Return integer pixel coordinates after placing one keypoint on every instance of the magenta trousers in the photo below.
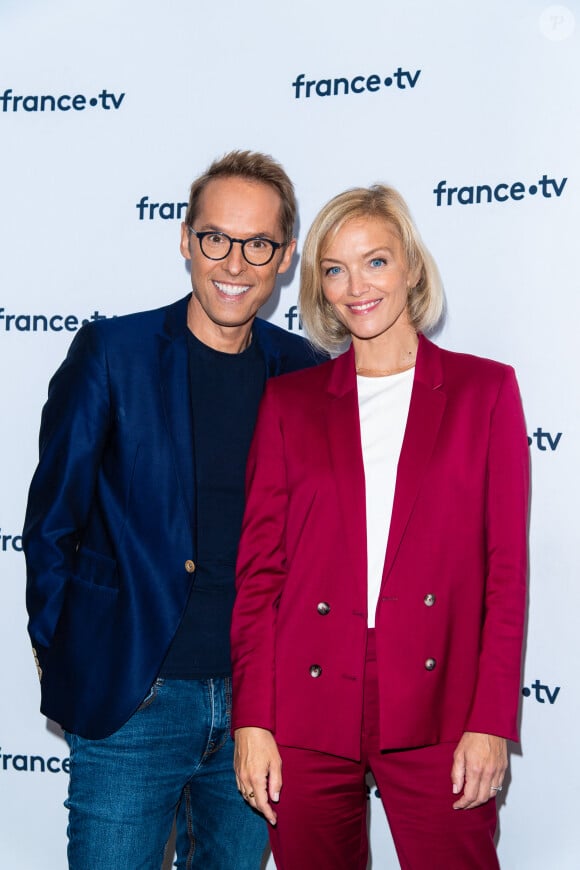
(322, 813)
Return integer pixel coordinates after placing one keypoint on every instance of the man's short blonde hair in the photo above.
(251, 166)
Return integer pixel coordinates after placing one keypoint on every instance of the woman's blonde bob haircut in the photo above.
(425, 302)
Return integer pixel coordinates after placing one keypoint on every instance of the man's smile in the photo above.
(232, 289)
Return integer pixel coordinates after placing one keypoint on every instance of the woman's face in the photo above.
(366, 278)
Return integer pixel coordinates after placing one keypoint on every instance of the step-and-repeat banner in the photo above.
(107, 113)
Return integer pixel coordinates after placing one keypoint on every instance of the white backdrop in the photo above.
(105, 106)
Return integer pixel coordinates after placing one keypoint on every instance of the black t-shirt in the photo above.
(225, 393)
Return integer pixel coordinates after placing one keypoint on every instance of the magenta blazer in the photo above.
(450, 616)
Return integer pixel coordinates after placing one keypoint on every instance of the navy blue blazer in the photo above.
(108, 534)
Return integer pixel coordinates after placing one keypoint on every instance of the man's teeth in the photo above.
(232, 289)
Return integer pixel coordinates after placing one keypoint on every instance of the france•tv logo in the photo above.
(478, 194)
(540, 692)
(544, 440)
(292, 315)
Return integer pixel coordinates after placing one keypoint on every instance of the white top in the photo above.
(383, 409)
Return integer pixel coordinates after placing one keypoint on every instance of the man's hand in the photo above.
(258, 768)
(479, 765)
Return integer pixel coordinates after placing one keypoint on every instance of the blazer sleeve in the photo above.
(73, 431)
(495, 703)
(261, 572)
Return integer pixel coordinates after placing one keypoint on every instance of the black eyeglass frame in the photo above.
(243, 242)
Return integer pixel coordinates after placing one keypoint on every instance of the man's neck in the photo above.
(227, 339)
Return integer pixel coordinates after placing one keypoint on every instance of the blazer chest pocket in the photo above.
(96, 569)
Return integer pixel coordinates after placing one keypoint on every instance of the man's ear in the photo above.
(184, 243)
(287, 257)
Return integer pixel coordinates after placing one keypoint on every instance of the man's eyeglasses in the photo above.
(257, 251)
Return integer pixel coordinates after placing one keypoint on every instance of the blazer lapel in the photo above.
(176, 399)
(343, 434)
(428, 402)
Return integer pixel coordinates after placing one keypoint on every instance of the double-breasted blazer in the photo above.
(450, 614)
(109, 532)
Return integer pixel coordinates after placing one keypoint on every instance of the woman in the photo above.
(381, 573)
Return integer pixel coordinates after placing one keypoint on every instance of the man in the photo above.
(131, 534)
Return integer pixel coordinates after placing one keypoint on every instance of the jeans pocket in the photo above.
(150, 696)
(228, 699)
(71, 740)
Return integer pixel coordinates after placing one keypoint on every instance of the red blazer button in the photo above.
(315, 670)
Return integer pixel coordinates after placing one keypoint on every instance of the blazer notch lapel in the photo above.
(425, 415)
(343, 437)
(176, 399)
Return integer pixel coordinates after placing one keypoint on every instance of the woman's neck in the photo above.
(381, 356)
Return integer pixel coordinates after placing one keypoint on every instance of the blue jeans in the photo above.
(173, 758)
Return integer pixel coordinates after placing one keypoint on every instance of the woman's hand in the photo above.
(479, 765)
(258, 768)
